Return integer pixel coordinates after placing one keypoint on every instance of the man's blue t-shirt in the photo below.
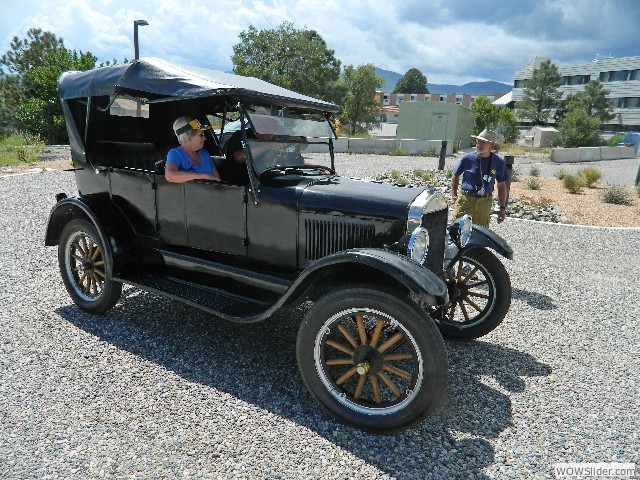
(492, 168)
(180, 158)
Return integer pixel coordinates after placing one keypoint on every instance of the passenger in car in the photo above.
(234, 167)
(189, 161)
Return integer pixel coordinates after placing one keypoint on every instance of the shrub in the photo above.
(533, 183)
(398, 152)
(449, 174)
(20, 147)
(534, 171)
(616, 195)
(613, 141)
(427, 176)
(573, 183)
(590, 176)
(560, 174)
(398, 177)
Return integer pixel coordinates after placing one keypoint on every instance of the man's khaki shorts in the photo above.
(478, 207)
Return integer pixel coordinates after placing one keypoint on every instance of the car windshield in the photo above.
(288, 143)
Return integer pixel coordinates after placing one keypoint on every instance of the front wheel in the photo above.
(374, 360)
(479, 295)
(82, 266)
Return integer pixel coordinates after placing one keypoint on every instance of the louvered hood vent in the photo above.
(327, 237)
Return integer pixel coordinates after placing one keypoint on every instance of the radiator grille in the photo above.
(327, 237)
(436, 225)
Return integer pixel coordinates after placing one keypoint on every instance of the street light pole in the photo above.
(135, 36)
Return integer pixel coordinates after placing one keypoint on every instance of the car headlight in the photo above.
(465, 229)
(418, 246)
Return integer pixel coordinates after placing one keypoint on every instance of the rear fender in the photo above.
(100, 214)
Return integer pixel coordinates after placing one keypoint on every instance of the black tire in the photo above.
(381, 385)
(82, 266)
(479, 295)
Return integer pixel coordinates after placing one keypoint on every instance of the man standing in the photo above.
(480, 171)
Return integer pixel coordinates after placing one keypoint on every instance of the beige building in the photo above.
(621, 76)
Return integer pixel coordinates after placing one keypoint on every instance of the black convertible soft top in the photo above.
(153, 80)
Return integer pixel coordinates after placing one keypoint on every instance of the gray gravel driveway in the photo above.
(156, 389)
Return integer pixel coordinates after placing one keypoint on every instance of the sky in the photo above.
(449, 41)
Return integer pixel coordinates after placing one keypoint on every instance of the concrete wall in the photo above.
(383, 146)
(591, 154)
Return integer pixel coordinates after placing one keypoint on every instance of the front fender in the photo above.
(375, 266)
(482, 237)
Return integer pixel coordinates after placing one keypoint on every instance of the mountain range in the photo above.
(472, 88)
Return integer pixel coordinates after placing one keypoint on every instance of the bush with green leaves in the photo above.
(590, 176)
(533, 183)
(616, 195)
(573, 183)
(534, 171)
(578, 129)
(20, 148)
(613, 141)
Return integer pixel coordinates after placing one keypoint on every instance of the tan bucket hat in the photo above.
(488, 136)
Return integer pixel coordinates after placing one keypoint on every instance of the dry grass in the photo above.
(584, 208)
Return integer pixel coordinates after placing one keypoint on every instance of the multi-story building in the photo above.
(394, 99)
(621, 76)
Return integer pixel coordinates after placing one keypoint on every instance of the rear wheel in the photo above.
(374, 360)
(82, 266)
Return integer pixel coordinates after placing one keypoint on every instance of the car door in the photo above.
(215, 215)
(202, 214)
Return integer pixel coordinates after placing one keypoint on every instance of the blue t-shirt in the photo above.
(492, 168)
(181, 159)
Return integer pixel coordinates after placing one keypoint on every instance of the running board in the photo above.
(229, 306)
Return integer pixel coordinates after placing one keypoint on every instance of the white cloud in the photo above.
(452, 41)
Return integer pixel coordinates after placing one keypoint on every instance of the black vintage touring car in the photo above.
(382, 272)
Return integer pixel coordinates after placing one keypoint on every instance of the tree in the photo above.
(359, 109)
(412, 82)
(541, 94)
(30, 93)
(295, 59)
(485, 114)
(507, 125)
(593, 100)
(578, 129)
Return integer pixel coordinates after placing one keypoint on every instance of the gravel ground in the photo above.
(160, 390)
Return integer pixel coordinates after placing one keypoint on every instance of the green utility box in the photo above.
(435, 121)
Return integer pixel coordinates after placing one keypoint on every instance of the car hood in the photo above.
(341, 196)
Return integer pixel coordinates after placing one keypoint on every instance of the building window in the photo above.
(399, 98)
(627, 102)
(636, 75)
(604, 76)
(519, 84)
(443, 98)
(630, 102)
(619, 76)
(413, 97)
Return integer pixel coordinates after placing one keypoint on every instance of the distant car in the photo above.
(377, 264)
